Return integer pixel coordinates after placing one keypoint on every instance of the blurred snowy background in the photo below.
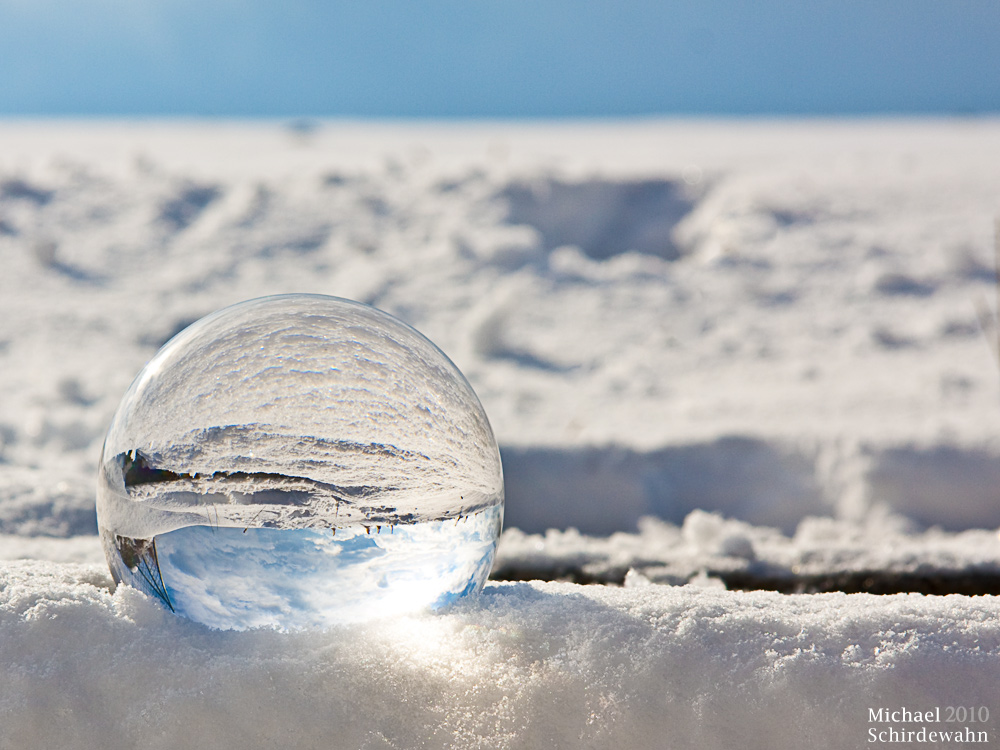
(715, 350)
(771, 320)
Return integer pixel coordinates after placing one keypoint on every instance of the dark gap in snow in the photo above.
(261, 487)
(602, 217)
(137, 470)
(937, 583)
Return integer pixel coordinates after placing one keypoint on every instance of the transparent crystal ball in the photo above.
(296, 462)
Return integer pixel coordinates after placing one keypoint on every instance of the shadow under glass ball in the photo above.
(296, 462)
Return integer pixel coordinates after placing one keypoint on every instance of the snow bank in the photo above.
(523, 665)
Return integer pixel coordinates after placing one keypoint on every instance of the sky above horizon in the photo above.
(497, 58)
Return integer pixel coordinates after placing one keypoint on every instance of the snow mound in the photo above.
(523, 665)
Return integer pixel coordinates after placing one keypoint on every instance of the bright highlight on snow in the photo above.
(299, 461)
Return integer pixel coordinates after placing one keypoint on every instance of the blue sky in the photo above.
(497, 58)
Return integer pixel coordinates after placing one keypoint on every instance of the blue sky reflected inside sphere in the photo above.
(295, 579)
(497, 58)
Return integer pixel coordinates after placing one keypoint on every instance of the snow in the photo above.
(823, 553)
(707, 349)
(814, 350)
(525, 665)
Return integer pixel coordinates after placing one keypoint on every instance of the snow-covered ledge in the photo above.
(523, 665)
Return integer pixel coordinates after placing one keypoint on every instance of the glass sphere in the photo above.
(300, 461)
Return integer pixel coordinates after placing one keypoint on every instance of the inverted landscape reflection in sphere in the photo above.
(296, 462)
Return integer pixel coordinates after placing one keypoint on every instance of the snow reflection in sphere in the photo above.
(300, 461)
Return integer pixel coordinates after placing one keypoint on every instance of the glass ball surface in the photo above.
(300, 461)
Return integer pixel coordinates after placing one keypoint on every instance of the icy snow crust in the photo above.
(761, 335)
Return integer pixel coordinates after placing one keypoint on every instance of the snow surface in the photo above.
(762, 337)
(524, 665)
